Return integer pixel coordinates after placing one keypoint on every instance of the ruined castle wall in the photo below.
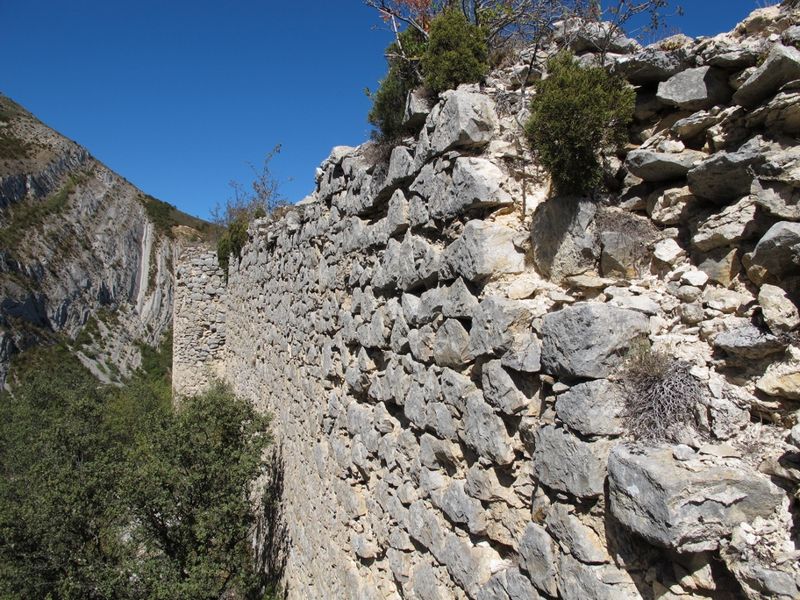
(199, 321)
(442, 365)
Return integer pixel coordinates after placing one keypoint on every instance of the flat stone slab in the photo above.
(681, 508)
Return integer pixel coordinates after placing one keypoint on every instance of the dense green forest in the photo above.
(109, 492)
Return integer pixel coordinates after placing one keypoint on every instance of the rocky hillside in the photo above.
(84, 255)
(468, 373)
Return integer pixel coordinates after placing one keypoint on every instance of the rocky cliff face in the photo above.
(442, 345)
(79, 245)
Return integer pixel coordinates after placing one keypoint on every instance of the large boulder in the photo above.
(695, 89)
(476, 184)
(777, 254)
(465, 120)
(681, 506)
(566, 463)
(650, 65)
(589, 340)
(734, 224)
(654, 166)
(563, 237)
(727, 176)
(483, 250)
(782, 65)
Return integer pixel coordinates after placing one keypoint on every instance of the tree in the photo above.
(575, 114)
(389, 100)
(526, 21)
(190, 498)
(107, 493)
(456, 52)
(61, 522)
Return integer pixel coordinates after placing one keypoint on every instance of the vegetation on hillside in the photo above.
(165, 217)
(31, 214)
(107, 492)
(577, 112)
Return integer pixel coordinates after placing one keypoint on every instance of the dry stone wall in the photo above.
(199, 321)
(441, 346)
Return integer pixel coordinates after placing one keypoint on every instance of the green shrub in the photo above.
(231, 243)
(389, 100)
(457, 52)
(575, 113)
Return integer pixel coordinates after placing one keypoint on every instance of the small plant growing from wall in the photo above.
(660, 395)
(576, 113)
(389, 100)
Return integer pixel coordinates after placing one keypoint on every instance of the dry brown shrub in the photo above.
(660, 395)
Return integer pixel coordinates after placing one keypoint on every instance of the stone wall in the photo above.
(199, 321)
(441, 348)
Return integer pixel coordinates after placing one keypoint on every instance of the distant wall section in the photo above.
(199, 321)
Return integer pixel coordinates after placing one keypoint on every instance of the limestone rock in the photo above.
(777, 198)
(589, 340)
(508, 585)
(577, 581)
(476, 184)
(779, 311)
(567, 464)
(485, 432)
(563, 237)
(466, 120)
(650, 65)
(654, 166)
(782, 379)
(748, 342)
(500, 391)
(483, 250)
(668, 251)
(524, 354)
(539, 558)
(695, 89)
(671, 206)
(459, 302)
(782, 65)
(721, 265)
(657, 497)
(461, 508)
(592, 408)
(726, 176)
(575, 537)
(418, 106)
(734, 224)
(451, 344)
(497, 323)
(777, 254)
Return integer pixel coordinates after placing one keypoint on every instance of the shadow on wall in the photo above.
(272, 534)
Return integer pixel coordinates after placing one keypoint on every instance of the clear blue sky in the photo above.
(179, 96)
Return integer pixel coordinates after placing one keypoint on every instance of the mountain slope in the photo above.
(80, 245)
